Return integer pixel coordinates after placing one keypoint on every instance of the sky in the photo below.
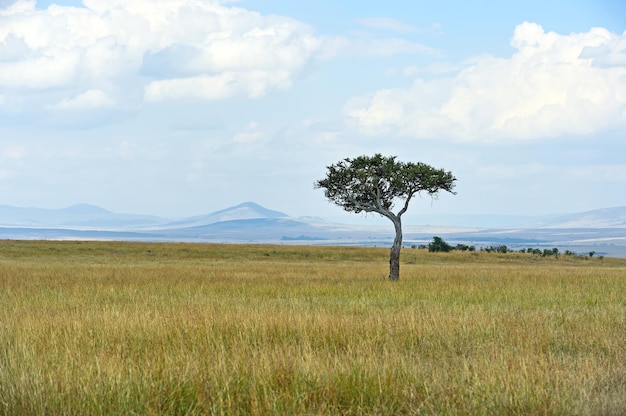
(184, 107)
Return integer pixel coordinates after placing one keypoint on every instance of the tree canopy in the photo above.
(377, 183)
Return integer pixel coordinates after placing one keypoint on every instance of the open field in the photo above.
(147, 328)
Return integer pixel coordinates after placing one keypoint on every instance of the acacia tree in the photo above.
(376, 184)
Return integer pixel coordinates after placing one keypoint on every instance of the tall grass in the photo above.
(129, 328)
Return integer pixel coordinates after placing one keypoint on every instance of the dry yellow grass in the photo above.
(130, 328)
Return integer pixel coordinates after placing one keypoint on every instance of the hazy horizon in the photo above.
(363, 219)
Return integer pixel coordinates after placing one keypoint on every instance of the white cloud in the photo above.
(8, 7)
(253, 84)
(163, 50)
(88, 100)
(553, 85)
(194, 44)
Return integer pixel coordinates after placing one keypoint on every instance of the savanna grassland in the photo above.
(94, 328)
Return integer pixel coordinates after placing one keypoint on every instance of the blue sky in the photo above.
(183, 107)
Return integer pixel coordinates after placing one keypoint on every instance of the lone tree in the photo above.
(375, 184)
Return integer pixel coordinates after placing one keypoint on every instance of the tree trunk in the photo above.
(394, 256)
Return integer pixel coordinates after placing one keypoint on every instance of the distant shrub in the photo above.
(439, 245)
(496, 249)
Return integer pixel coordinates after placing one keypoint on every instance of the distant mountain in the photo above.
(245, 211)
(80, 215)
(87, 216)
(599, 218)
(603, 231)
(85, 209)
(251, 229)
(95, 217)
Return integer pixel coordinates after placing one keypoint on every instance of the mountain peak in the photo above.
(248, 204)
(253, 210)
(243, 211)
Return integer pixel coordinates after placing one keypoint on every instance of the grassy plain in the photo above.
(140, 328)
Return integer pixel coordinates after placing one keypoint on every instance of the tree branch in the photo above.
(406, 204)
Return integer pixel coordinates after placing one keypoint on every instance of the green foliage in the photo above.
(374, 184)
(502, 249)
(463, 247)
(439, 245)
(550, 252)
